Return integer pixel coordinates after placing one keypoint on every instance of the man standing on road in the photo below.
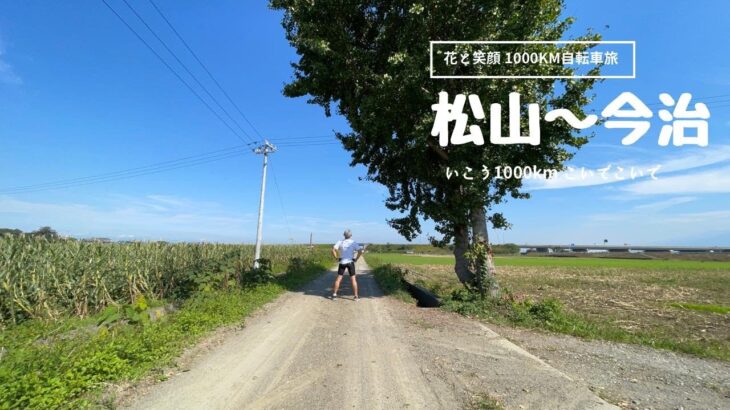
(346, 259)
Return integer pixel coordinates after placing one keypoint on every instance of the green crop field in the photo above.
(558, 261)
(50, 279)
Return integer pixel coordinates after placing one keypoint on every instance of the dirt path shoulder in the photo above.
(635, 377)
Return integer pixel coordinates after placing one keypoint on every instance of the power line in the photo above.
(96, 180)
(724, 104)
(195, 55)
(317, 139)
(220, 87)
(238, 148)
(185, 67)
(315, 142)
(162, 60)
(704, 99)
(155, 168)
(307, 144)
(305, 138)
(265, 149)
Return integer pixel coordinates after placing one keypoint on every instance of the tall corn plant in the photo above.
(46, 279)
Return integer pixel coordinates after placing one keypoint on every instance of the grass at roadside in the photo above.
(484, 402)
(390, 280)
(65, 363)
(682, 308)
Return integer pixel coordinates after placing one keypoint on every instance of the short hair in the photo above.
(347, 233)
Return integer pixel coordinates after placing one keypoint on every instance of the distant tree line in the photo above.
(44, 231)
(501, 249)
(50, 234)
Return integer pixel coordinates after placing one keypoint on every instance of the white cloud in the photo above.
(578, 178)
(702, 182)
(668, 203)
(151, 217)
(706, 156)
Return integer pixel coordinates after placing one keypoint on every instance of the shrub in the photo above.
(259, 275)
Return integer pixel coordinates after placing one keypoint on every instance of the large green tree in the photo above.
(370, 61)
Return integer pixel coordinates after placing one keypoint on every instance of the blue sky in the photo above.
(80, 95)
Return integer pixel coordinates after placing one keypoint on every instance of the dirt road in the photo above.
(307, 351)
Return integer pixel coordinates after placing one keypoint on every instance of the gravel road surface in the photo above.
(307, 351)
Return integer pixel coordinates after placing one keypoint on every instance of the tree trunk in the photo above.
(479, 234)
(478, 218)
(479, 226)
(461, 246)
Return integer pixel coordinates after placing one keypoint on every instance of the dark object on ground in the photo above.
(424, 297)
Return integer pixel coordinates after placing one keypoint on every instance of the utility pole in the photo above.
(266, 148)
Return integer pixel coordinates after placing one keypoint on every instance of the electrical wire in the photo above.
(185, 67)
(184, 162)
(308, 144)
(195, 55)
(166, 64)
(328, 138)
(130, 172)
(155, 168)
(283, 144)
(314, 142)
(703, 99)
(304, 138)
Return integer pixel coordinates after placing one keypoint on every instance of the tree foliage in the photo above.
(369, 60)
(46, 232)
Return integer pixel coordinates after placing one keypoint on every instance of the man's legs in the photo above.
(340, 273)
(353, 278)
(337, 285)
(353, 281)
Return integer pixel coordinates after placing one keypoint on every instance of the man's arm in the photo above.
(360, 251)
(334, 251)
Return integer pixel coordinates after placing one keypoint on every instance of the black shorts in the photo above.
(349, 266)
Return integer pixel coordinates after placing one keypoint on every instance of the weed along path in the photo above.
(307, 351)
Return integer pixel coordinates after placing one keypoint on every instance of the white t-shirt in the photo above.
(347, 249)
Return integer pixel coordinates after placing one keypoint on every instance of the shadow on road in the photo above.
(322, 286)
